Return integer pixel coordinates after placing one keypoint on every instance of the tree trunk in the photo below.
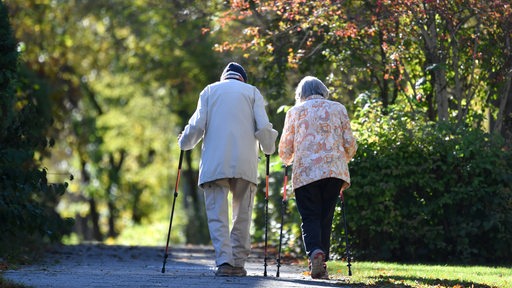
(441, 95)
(384, 89)
(93, 210)
(503, 124)
(136, 214)
(197, 228)
(95, 219)
(114, 178)
(435, 65)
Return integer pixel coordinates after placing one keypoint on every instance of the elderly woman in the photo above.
(318, 141)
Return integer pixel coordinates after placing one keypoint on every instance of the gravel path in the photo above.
(94, 265)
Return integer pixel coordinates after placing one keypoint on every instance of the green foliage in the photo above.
(8, 66)
(123, 78)
(428, 192)
(27, 199)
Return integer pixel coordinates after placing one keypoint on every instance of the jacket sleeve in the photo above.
(194, 131)
(286, 143)
(264, 133)
(349, 141)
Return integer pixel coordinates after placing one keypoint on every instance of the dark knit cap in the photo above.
(234, 71)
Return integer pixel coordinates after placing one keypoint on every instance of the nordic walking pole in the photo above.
(347, 246)
(172, 210)
(266, 213)
(283, 211)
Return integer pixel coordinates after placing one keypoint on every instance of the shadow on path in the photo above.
(98, 265)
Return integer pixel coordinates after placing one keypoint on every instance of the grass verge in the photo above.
(381, 274)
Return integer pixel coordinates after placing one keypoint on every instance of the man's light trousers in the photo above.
(233, 246)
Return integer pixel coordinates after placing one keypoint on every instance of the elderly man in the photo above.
(232, 121)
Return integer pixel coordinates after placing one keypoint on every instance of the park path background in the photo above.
(95, 265)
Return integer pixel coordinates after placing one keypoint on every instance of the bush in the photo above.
(27, 200)
(428, 192)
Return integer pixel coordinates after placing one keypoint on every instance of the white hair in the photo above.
(310, 86)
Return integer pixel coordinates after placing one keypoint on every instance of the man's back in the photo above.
(229, 146)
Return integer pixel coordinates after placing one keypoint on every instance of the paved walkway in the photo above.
(123, 266)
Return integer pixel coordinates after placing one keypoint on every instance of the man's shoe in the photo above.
(240, 271)
(317, 264)
(226, 270)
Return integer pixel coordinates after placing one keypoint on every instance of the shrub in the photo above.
(428, 192)
(27, 200)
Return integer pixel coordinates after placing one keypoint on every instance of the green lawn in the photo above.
(380, 274)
